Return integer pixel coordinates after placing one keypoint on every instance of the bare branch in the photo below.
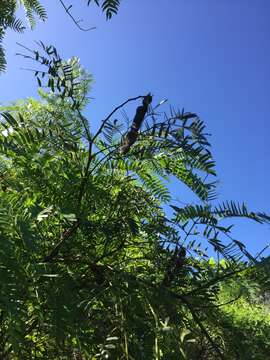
(76, 22)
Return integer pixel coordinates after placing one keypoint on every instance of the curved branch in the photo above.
(91, 143)
(76, 22)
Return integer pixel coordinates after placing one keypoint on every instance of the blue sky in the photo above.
(210, 57)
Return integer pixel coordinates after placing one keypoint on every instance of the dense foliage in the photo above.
(92, 266)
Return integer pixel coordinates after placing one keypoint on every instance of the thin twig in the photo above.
(114, 111)
(223, 304)
(76, 22)
(91, 143)
(262, 251)
(215, 281)
(101, 160)
(67, 234)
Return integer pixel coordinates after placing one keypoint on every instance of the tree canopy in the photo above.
(92, 264)
(97, 258)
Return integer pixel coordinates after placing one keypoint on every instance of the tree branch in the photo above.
(114, 111)
(64, 236)
(76, 22)
(91, 143)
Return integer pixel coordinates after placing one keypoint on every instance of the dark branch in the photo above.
(132, 135)
(91, 143)
(76, 22)
(64, 237)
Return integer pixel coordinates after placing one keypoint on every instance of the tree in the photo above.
(33, 9)
(92, 265)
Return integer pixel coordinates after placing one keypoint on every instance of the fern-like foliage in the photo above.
(7, 20)
(208, 214)
(7, 15)
(65, 79)
(109, 7)
(34, 8)
(173, 145)
(91, 264)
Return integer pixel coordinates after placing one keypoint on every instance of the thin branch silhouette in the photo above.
(76, 22)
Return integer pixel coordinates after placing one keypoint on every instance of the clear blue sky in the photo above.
(211, 57)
